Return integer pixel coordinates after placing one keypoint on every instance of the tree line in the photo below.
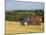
(16, 14)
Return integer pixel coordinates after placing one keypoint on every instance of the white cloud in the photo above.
(28, 0)
(32, 0)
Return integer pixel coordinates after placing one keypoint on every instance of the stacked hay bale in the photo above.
(36, 20)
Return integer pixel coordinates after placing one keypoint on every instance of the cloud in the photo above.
(32, 0)
(28, 0)
(10, 0)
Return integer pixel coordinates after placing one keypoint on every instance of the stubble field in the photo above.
(16, 27)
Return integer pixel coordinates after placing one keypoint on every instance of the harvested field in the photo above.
(16, 27)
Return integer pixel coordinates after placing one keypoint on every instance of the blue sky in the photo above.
(13, 5)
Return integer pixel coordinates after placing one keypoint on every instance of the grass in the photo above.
(16, 27)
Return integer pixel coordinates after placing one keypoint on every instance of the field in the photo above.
(16, 27)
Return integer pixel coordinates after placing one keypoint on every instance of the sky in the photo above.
(17, 5)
